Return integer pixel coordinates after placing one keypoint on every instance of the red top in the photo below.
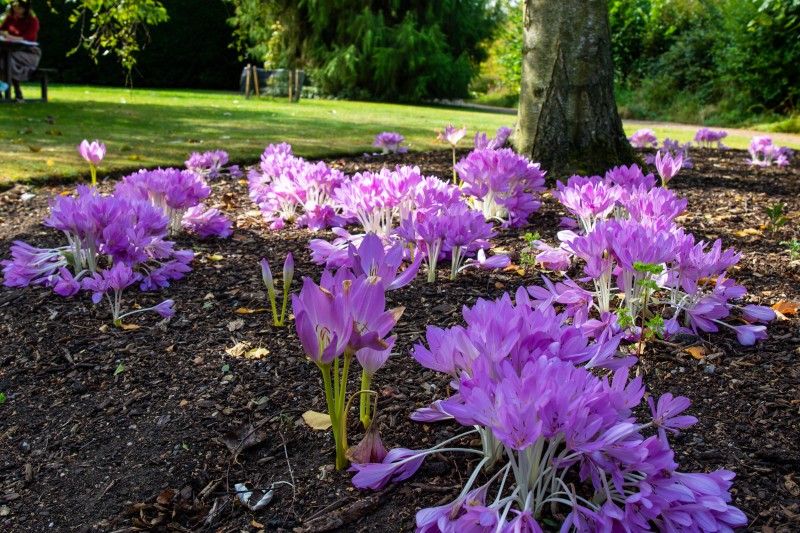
(27, 28)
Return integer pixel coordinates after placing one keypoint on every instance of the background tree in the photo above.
(113, 26)
(568, 117)
(176, 53)
(707, 61)
(387, 49)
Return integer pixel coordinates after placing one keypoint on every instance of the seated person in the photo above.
(19, 24)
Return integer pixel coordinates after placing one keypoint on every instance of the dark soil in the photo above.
(127, 430)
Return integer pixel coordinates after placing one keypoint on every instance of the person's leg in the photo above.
(5, 88)
(17, 90)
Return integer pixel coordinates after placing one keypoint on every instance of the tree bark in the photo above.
(568, 118)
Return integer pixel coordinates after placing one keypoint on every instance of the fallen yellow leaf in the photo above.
(747, 232)
(256, 353)
(786, 308)
(238, 349)
(216, 257)
(315, 420)
(246, 311)
(698, 352)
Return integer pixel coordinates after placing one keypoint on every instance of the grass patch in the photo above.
(150, 128)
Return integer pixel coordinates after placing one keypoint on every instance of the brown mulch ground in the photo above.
(83, 449)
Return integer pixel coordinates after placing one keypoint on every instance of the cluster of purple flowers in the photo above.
(706, 138)
(644, 138)
(627, 223)
(764, 154)
(291, 189)
(178, 193)
(389, 142)
(501, 184)
(211, 165)
(401, 205)
(112, 242)
(676, 150)
(434, 220)
(572, 444)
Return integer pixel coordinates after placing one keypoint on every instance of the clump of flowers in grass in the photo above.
(211, 164)
(764, 154)
(707, 138)
(389, 142)
(573, 448)
(171, 190)
(644, 138)
(93, 153)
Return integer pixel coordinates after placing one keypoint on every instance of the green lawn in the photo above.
(149, 128)
(162, 127)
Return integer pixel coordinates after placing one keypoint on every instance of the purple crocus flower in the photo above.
(399, 464)
(210, 164)
(206, 222)
(705, 137)
(668, 166)
(747, 335)
(665, 414)
(452, 134)
(66, 284)
(324, 323)
(165, 308)
(758, 313)
(643, 138)
(93, 152)
(371, 258)
(389, 143)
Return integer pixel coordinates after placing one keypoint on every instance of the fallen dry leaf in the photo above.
(165, 497)
(256, 353)
(246, 311)
(315, 420)
(130, 327)
(747, 232)
(235, 324)
(238, 349)
(242, 438)
(698, 352)
(786, 308)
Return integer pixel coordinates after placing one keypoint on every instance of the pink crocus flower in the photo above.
(667, 166)
(452, 135)
(93, 152)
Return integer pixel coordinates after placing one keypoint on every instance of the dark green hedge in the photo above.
(191, 50)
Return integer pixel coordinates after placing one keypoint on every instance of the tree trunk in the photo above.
(568, 118)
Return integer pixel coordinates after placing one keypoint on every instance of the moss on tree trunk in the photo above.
(568, 118)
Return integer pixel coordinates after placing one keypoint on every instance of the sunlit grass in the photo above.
(150, 128)
(162, 127)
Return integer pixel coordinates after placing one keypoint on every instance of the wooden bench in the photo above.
(41, 75)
